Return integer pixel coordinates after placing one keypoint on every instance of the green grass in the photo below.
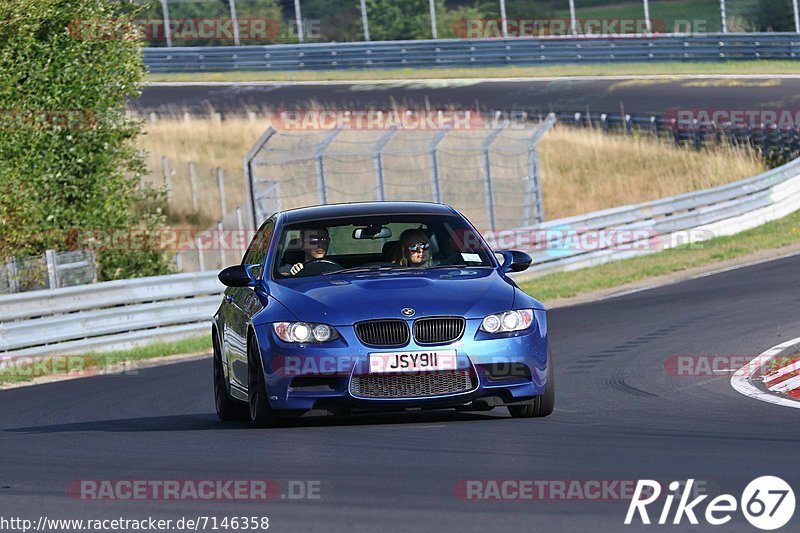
(781, 361)
(771, 235)
(606, 69)
(90, 363)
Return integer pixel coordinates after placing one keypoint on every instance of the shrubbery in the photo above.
(69, 164)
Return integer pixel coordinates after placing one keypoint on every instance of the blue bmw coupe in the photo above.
(377, 306)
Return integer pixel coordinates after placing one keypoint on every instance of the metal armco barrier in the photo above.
(650, 227)
(121, 314)
(106, 316)
(476, 53)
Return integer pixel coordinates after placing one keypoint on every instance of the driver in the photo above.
(314, 242)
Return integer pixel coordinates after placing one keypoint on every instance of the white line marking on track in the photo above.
(786, 386)
(740, 381)
(456, 81)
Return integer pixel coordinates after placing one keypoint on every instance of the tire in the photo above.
(543, 404)
(228, 409)
(262, 415)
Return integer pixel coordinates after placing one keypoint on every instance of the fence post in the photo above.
(436, 188)
(235, 22)
(167, 183)
(378, 157)
(248, 175)
(220, 238)
(52, 276)
(487, 175)
(240, 227)
(93, 259)
(533, 185)
(167, 31)
(320, 166)
(298, 17)
(221, 185)
(796, 12)
(141, 176)
(193, 180)
(200, 258)
(11, 272)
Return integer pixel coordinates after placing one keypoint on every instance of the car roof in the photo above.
(364, 209)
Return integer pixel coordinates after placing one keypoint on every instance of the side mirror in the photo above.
(236, 276)
(515, 261)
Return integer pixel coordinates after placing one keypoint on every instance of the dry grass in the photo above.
(582, 170)
(585, 170)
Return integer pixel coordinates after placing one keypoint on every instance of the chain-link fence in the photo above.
(490, 174)
(48, 271)
(196, 194)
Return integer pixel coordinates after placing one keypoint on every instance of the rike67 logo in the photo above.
(767, 503)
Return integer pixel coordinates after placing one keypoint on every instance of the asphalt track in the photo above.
(619, 416)
(636, 95)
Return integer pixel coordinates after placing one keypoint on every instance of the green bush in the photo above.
(69, 165)
(411, 19)
(774, 15)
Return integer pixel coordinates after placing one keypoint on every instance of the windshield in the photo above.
(388, 242)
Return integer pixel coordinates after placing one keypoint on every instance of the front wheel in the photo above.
(543, 404)
(262, 415)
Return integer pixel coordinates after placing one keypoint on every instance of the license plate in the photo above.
(412, 361)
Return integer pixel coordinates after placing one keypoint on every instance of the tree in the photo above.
(774, 15)
(410, 19)
(70, 168)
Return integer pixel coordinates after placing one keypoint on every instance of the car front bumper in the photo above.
(504, 369)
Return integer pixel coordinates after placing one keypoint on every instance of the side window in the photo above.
(256, 253)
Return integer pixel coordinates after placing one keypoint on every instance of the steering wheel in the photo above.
(319, 266)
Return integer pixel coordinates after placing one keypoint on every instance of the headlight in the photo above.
(304, 332)
(508, 321)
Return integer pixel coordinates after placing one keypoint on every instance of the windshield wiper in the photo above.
(367, 269)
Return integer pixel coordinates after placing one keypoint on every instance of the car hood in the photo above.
(344, 299)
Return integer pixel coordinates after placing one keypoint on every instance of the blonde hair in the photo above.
(405, 238)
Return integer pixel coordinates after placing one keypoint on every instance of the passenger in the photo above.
(415, 249)
(314, 242)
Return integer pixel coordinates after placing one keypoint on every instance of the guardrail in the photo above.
(125, 313)
(650, 227)
(476, 53)
(113, 315)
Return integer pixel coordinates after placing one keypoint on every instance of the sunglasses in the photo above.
(319, 241)
(419, 247)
